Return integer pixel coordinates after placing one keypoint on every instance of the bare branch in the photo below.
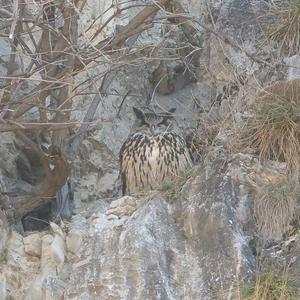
(39, 126)
(18, 206)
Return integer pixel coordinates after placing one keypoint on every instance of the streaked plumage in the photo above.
(152, 154)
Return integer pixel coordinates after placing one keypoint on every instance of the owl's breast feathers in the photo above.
(147, 160)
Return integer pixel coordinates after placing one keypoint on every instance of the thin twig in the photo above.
(122, 102)
(40, 126)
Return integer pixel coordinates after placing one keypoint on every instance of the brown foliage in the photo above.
(274, 128)
(271, 286)
(275, 207)
(285, 30)
(54, 61)
(53, 180)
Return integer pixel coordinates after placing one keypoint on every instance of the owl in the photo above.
(153, 153)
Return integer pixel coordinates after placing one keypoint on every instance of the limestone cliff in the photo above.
(199, 238)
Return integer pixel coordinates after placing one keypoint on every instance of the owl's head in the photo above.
(153, 123)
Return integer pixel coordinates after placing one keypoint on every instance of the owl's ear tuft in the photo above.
(139, 114)
(168, 116)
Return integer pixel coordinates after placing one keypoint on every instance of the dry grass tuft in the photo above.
(172, 187)
(275, 207)
(207, 129)
(271, 286)
(274, 128)
(286, 27)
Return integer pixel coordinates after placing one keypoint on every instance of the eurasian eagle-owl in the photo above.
(153, 153)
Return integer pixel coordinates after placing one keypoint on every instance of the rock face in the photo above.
(200, 244)
(194, 248)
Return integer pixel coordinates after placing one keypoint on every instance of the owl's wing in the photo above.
(122, 169)
(128, 162)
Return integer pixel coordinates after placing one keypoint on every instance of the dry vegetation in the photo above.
(208, 127)
(273, 132)
(285, 30)
(47, 53)
(274, 128)
(275, 207)
(172, 187)
(271, 286)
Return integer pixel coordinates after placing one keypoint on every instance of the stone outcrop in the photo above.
(193, 248)
(201, 243)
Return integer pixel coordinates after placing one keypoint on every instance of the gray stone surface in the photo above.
(197, 247)
(193, 249)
